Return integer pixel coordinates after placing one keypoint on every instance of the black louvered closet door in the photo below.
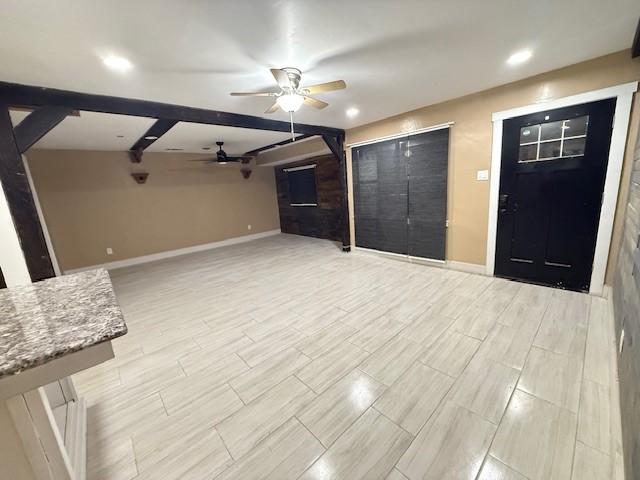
(428, 158)
(400, 194)
(380, 196)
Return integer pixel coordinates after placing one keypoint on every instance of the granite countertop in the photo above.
(46, 320)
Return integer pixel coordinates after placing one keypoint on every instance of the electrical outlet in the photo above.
(109, 251)
(621, 343)
(248, 227)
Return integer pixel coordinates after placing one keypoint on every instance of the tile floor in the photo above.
(284, 358)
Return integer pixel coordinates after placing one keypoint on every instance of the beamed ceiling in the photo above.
(394, 55)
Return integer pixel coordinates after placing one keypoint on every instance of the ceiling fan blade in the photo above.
(325, 87)
(240, 158)
(253, 94)
(203, 160)
(281, 78)
(273, 108)
(315, 103)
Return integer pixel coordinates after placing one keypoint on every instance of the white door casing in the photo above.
(624, 95)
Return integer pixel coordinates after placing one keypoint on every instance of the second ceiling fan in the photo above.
(291, 95)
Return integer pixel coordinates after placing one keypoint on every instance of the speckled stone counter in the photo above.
(46, 320)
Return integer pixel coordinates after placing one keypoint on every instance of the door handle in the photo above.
(503, 204)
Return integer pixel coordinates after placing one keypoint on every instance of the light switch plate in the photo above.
(482, 175)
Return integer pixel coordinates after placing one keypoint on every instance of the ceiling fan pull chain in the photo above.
(293, 137)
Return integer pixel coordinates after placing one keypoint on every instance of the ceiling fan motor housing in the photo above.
(221, 154)
(294, 77)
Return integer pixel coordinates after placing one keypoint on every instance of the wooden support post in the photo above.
(336, 145)
(20, 200)
(635, 46)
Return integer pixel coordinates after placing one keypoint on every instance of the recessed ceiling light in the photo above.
(352, 112)
(150, 137)
(119, 64)
(519, 57)
(120, 136)
(174, 149)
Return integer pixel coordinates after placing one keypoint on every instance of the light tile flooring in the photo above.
(284, 358)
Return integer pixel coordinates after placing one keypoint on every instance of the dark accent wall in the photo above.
(323, 221)
(626, 303)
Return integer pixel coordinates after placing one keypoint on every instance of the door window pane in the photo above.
(529, 134)
(551, 131)
(558, 139)
(528, 152)
(549, 150)
(573, 147)
(576, 126)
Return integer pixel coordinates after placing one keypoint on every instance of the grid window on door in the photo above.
(549, 141)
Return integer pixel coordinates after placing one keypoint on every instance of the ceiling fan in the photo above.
(291, 95)
(222, 158)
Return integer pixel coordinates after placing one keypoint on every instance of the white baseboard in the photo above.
(401, 257)
(128, 262)
(467, 267)
(450, 264)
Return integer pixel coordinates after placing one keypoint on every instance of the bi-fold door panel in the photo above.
(428, 158)
(400, 194)
(380, 195)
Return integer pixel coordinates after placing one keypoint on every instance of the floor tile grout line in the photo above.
(373, 352)
(225, 446)
(515, 387)
(435, 411)
(295, 415)
(397, 425)
(584, 359)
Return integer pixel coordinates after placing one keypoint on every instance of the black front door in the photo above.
(551, 183)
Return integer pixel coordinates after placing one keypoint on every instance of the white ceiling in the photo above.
(101, 131)
(92, 131)
(193, 137)
(394, 55)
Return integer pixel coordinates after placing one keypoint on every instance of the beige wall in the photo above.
(90, 202)
(470, 147)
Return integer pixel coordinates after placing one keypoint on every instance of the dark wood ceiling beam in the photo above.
(20, 200)
(29, 96)
(159, 128)
(37, 124)
(278, 144)
(334, 145)
(635, 46)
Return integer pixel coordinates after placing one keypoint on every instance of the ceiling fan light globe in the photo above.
(290, 102)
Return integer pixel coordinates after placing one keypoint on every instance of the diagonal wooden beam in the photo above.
(29, 96)
(635, 46)
(159, 128)
(20, 200)
(334, 146)
(37, 124)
